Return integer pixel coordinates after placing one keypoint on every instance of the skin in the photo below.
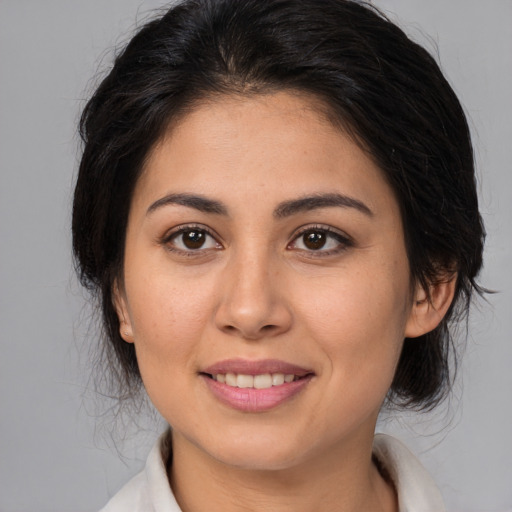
(255, 290)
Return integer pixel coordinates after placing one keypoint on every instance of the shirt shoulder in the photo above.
(133, 497)
(149, 491)
(417, 491)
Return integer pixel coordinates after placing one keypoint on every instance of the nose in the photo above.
(252, 304)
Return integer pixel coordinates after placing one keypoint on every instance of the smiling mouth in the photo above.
(261, 381)
(254, 386)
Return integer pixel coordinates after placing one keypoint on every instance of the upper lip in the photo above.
(248, 367)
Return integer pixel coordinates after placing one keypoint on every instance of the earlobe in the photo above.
(126, 332)
(119, 301)
(428, 310)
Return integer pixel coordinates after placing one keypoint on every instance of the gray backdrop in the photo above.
(55, 454)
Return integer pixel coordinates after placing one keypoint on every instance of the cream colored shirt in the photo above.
(149, 491)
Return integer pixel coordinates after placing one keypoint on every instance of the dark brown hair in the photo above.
(385, 90)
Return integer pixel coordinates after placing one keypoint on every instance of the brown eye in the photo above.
(321, 241)
(314, 240)
(193, 239)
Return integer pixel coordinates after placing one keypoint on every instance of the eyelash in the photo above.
(344, 242)
(180, 230)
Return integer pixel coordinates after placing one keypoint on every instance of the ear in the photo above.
(429, 309)
(120, 305)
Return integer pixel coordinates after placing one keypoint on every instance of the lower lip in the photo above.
(255, 400)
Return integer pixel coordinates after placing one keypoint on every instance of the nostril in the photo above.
(269, 327)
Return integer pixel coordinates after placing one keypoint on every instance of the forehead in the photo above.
(264, 147)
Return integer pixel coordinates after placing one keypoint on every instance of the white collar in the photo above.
(416, 490)
(149, 491)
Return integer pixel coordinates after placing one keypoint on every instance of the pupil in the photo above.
(193, 239)
(314, 240)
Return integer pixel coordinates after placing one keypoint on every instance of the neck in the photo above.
(345, 479)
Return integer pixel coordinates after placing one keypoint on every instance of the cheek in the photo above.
(358, 320)
(168, 319)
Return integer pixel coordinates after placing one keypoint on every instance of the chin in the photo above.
(260, 459)
(258, 452)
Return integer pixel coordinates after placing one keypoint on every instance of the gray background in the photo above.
(55, 453)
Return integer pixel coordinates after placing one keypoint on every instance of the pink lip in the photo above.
(255, 400)
(256, 367)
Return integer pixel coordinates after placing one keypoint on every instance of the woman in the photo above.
(276, 205)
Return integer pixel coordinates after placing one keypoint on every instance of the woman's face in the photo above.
(262, 243)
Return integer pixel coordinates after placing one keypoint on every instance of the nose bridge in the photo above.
(252, 304)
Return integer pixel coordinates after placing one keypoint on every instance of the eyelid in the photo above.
(344, 240)
(177, 230)
(320, 227)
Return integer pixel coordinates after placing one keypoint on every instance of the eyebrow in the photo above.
(317, 201)
(284, 209)
(201, 203)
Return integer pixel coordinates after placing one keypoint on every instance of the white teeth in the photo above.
(277, 379)
(230, 379)
(244, 381)
(263, 381)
